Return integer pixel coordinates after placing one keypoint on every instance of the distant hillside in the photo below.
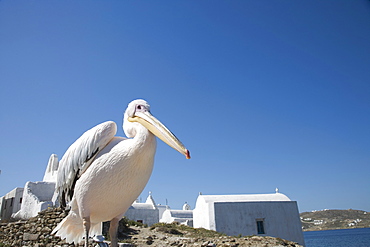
(330, 219)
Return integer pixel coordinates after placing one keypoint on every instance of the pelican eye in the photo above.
(140, 108)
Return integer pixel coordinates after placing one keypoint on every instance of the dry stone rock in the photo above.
(30, 237)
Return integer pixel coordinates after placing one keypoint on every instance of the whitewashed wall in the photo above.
(36, 197)
(51, 171)
(148, 215)
(11, 203)
(237, 214)
(281, 219)
(203, 214)
(184, 217)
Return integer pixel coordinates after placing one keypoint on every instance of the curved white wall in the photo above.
(36, 197)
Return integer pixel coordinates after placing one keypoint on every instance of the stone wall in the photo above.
(34, 232)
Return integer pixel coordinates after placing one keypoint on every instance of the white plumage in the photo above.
(101, 175)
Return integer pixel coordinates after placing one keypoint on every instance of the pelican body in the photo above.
(101, 175)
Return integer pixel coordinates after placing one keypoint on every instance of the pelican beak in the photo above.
(159, 130)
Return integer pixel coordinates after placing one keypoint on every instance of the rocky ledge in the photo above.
(37, 232)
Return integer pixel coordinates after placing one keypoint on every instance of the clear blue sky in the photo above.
(264, 94)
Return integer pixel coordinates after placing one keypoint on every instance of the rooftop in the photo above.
(245, 198)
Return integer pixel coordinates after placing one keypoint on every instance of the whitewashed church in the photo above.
(252, 214)
(249, 214)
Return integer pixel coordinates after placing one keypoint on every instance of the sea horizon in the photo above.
(359, 237)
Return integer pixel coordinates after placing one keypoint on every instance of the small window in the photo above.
(260, 226)
(20, 200)
(11, 201)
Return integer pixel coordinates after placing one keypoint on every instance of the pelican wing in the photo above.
(79, 156)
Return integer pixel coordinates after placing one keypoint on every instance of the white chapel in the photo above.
(249, 214)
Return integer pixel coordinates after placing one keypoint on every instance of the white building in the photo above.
(146, 213)
(10, 203)
(184, 216)
(254, 214)
(35, 197)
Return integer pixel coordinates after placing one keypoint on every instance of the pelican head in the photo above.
(138, 112)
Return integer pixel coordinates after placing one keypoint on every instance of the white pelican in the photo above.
(101, 175)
